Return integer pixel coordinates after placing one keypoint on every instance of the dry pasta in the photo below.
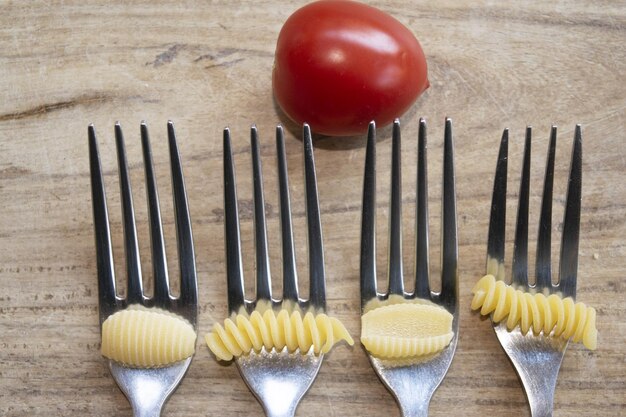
(147, 338)
(244, 333)
(552, 315)
(406, 330)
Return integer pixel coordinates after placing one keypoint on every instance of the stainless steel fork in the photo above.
(412, 385)
(278, 379)
(146, 389)
(536, 358)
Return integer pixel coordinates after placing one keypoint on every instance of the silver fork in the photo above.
(278, 379)
(146, 389)
(412, 385)
(536, 358)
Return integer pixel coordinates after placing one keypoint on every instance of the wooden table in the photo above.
(492, 65)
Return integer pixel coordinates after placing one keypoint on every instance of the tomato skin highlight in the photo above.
(341, 64)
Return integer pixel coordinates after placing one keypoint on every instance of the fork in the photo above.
(412, 385)
(278, 379)
(146, 389)
(536, 358)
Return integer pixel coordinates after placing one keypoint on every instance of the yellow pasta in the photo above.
(375, 303)
(147, 338)
(406, 330)
(552, 315)
(267, 328)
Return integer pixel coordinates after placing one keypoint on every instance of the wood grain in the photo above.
(206, 65)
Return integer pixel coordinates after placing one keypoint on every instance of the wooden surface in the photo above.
(206, 65)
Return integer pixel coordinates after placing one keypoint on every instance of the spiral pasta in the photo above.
(560, 317)
(147, 338)
(244, 333)
(406, 330)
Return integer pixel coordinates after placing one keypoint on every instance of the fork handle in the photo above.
(290, 413)
(146, 410)
(542, 409)
(283, 405)
(147, 406)
(540, 391)
(415, 405)
(415, 412)
(541, 400)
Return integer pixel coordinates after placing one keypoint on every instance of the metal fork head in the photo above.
(536, 358)
(146, 389)
(277, 379)
(412, 385)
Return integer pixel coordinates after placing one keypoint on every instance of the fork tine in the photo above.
(290, 277)
(422, 287)
(571, 221)
(520, 247)
(497, 220)
(159, 259)
(104, 253)
(317, 279)
(234, 271)
(544, 236)
(131, 247)
(368, 221)
(263, 286)
(184, 237)
(394, 269)
(449, 251)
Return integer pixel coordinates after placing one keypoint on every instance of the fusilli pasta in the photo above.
(552, 315)
(245, 333)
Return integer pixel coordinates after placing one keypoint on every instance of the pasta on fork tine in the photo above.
(410, 338)
(553, 314)
(149, 342)
(534, 323)
(275, 342)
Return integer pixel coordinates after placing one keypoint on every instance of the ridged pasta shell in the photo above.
(398, 347)
(147, 338)
(406, 330)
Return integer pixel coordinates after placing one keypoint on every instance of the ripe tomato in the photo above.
(341, 64)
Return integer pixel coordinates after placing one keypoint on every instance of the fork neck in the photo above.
(539, 382)
(418, 409)
(285, 413)
(146, 410)
(541, 403)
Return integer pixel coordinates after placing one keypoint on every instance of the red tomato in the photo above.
(341, 64)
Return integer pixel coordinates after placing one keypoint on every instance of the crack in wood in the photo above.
(55, 106)
(167, 56)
